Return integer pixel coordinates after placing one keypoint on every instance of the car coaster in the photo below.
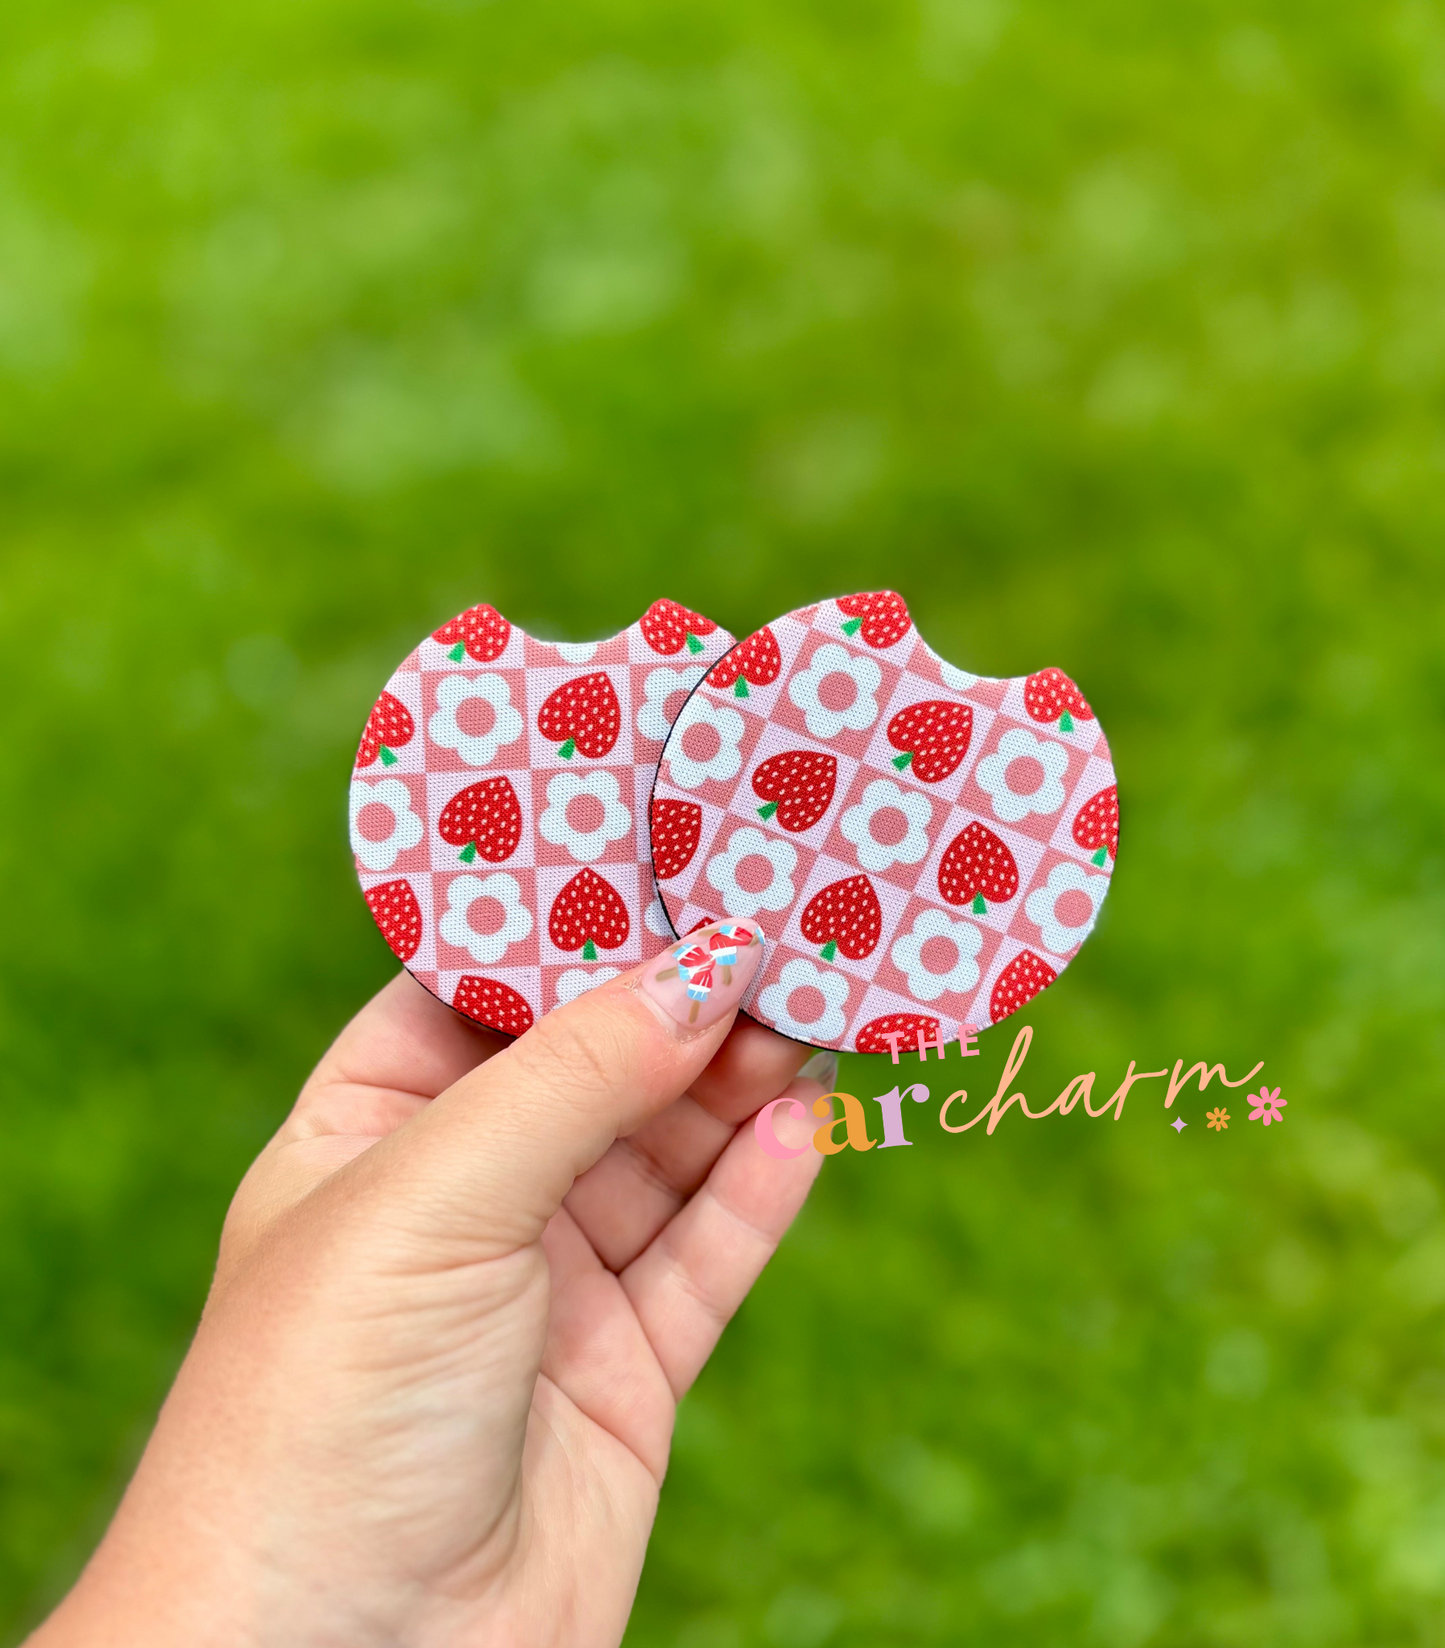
(499, 806)
(925, 849)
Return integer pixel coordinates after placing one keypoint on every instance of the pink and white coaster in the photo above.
(499, 806)
(925, 849)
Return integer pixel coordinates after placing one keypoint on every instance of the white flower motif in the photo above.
(887, 825)
(836, 691)
(383, 825)
(654, 918)
(584, 814)
(1064, 909)
(486, 933)
(704, 744)
(474, 717)
(959, 680)
(766, 866)
(576, 652)
(938, 956)
(806, 1002)
(1024, 775)
(576, 980)
(661, 684)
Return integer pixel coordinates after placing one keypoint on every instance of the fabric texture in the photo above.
(499, 806)
(925, 849)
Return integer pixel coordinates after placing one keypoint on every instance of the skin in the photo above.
(458, 1297)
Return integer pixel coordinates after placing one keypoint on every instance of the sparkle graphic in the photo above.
(1179, 1124)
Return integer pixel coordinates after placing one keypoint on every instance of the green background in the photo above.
(1111, 334)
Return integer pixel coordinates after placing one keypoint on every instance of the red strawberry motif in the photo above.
(797, 785)
(1097, 826)
(483, 819)
(480, 632)
(676, 831)
(492, 1003)
(668, 628)
(588, 913)
(1019, 982)
(395, 910)
(388, 728)
(978, 866)
(755, 660)
(1051, 696)
(844, 916)
(880, 619)
(933, 736)
(870, 1039)
(583, 714)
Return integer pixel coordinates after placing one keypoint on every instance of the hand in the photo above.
(459, 1295)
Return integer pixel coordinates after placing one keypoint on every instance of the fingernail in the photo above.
(822, 1067)
(701, 978)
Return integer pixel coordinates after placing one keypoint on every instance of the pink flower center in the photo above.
(888, 826)
(701, 742)
(585, 813)
(755, 873)
(375, 821)
(837, 692)
(672, 705)
(1073, 908)
(476, 717)
(486, 916)
(1025, 775)
(938, 954)
(807, 1004)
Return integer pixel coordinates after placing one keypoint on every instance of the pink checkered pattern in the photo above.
(842, 969)
(478, 930)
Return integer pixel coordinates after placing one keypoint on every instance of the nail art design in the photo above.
(710, 970)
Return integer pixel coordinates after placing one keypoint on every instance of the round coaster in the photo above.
(499, 806)
(925, 849)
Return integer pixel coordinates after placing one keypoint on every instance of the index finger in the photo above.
(399, 1052)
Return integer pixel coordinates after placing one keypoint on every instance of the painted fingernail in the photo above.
(822, 1067)
(701, 978)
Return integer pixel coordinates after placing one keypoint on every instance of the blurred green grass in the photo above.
(1110, 334)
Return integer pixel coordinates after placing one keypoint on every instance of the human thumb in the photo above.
(488, 1163)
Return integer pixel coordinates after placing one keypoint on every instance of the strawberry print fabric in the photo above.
(923, 848)
(499, 806)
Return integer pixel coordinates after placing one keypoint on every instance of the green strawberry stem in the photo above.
(568, 750)
(829, 950)
(589, 951)
(768, 811)
(458, 652)
(693, 644)
(388, 757)
(853, 626)
(979, 907)
(468, 853)
(1100, 857)
(901, 761)
(741, 689)
(1066, 722)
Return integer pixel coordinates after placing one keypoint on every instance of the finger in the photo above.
(401, 1050)
(596, 1351)
(753, 1059)
(687, 1284)
(622, 1202)
(488, 1163)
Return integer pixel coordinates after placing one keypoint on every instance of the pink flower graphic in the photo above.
(1270, 1104)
